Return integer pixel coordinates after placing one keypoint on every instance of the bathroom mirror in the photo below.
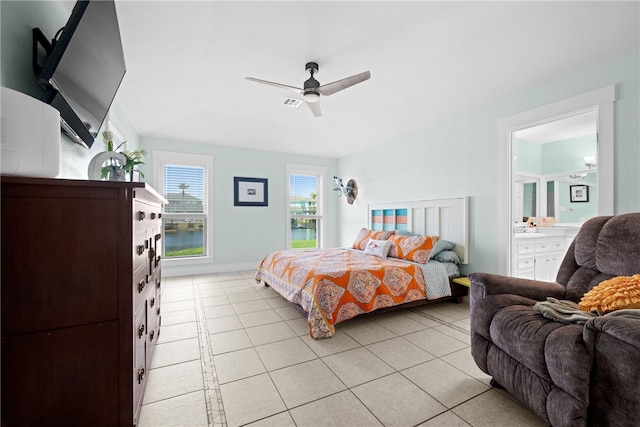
(554, 190)
(550, 158)
(525, 197)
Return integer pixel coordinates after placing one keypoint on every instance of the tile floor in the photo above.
(232, 352)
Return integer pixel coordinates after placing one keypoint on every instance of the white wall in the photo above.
(461, 157)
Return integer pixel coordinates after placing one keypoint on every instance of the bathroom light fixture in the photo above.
(578, 176)
(590, 162)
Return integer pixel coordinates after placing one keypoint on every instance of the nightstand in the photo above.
(460, 287)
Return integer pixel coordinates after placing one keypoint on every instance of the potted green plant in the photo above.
(134, 158)
(115, 171)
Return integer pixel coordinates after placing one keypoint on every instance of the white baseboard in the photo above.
(194, 270)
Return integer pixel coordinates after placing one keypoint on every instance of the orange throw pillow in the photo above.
(613, 294)
(412, 248)
(365, 234)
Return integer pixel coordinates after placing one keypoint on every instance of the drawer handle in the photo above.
(141, 216)
(141, 285)
(140, 249)
(153, 215)
(158, 284)
(140, 331)
(140, 375)
(151, 335)
(158, 236)
(152, 302)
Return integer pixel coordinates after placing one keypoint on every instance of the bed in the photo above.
(405, 256)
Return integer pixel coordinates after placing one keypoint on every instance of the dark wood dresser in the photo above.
(80, 300)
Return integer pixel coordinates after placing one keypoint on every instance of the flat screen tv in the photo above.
(83, 69)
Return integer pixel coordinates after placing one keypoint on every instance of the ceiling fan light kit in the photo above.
(311, 96)
(312, 89)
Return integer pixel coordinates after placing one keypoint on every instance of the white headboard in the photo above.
(447, 218)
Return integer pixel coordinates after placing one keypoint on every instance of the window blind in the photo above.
(303, 191)
(184, 189)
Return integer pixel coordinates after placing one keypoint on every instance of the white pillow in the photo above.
(379, 248)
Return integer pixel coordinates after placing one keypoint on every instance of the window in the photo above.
(184, 181)
(304, 201)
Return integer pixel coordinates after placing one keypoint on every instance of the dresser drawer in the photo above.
(526, 262)
(146, 216)
(47, 376)
(141, 284)
(547, 245)
(140, 251)
(526, 247)
(140, 368)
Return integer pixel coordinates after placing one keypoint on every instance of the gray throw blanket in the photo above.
(568, 312)
(563, 311)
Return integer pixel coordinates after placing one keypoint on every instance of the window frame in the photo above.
(162, 158)
(320, 173)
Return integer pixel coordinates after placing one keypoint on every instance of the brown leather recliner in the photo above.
(568, 374)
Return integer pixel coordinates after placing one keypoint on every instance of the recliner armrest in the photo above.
(613, 340)
(623, 325)
(483, 284)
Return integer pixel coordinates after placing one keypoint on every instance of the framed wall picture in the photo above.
(250, 191)
(579, 193)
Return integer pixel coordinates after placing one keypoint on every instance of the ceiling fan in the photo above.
(312, 90)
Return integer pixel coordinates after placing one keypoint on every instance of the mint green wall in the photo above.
(553, 157)
(557, 157)
(527, 156)
(576, 212)
(568, 154)
(244, 235)
(461, 156)
(529, 195)
(17, 18)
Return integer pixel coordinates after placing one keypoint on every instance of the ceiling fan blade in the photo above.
(295, 89)
(331, 88)
(315, 108)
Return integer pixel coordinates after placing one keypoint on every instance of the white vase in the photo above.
(113, 158)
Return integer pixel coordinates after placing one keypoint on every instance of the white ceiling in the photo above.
(187, 62)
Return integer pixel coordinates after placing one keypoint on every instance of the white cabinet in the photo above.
(549, 255)
(538, 257)
(525, 258)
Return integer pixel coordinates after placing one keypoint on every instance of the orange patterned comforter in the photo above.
(334, 285)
